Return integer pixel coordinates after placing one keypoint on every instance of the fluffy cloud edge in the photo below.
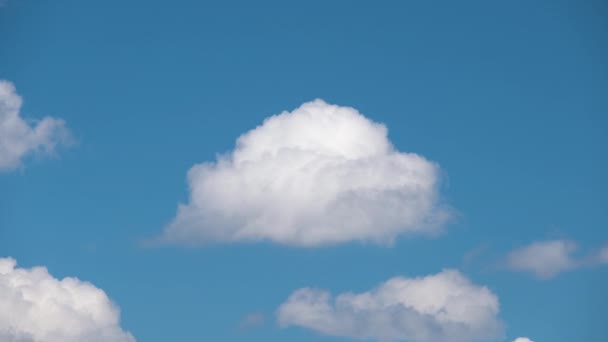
(20, 138)
(39, 307)
(522, 339)
(437, 308)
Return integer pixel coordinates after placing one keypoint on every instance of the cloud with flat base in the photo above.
(319, 175)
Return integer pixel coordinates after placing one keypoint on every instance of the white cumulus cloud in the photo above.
(523, 339)
(446, 307)
(544, 259)
(319, 175)
(18, 138)
(36, 307)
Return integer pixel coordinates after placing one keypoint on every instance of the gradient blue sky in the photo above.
(510, 98)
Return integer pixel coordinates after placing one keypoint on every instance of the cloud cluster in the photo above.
(523, 339)
(36, 307)
(319, 175)
(439, 308)
(19, 138)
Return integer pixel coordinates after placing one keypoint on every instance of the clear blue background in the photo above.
(510, 98)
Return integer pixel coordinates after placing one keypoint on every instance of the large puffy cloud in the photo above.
(546, 259)
(439, 308)
(36, 307)
(322, 174)
(19, 138)
(523, 339)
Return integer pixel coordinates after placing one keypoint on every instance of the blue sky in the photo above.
(509, 99)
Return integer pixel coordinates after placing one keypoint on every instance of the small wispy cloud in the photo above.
(547, 259)
(19, 137)
(475, 254)
(602, 255)
(252, 320)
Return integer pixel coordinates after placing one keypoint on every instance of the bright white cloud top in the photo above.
(36, 307)
(446, 307)
(523, 339)
(319, 175)
(18, 138)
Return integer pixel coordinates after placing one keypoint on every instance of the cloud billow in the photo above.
(319, 175)
(445, 307)
(35, 306)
